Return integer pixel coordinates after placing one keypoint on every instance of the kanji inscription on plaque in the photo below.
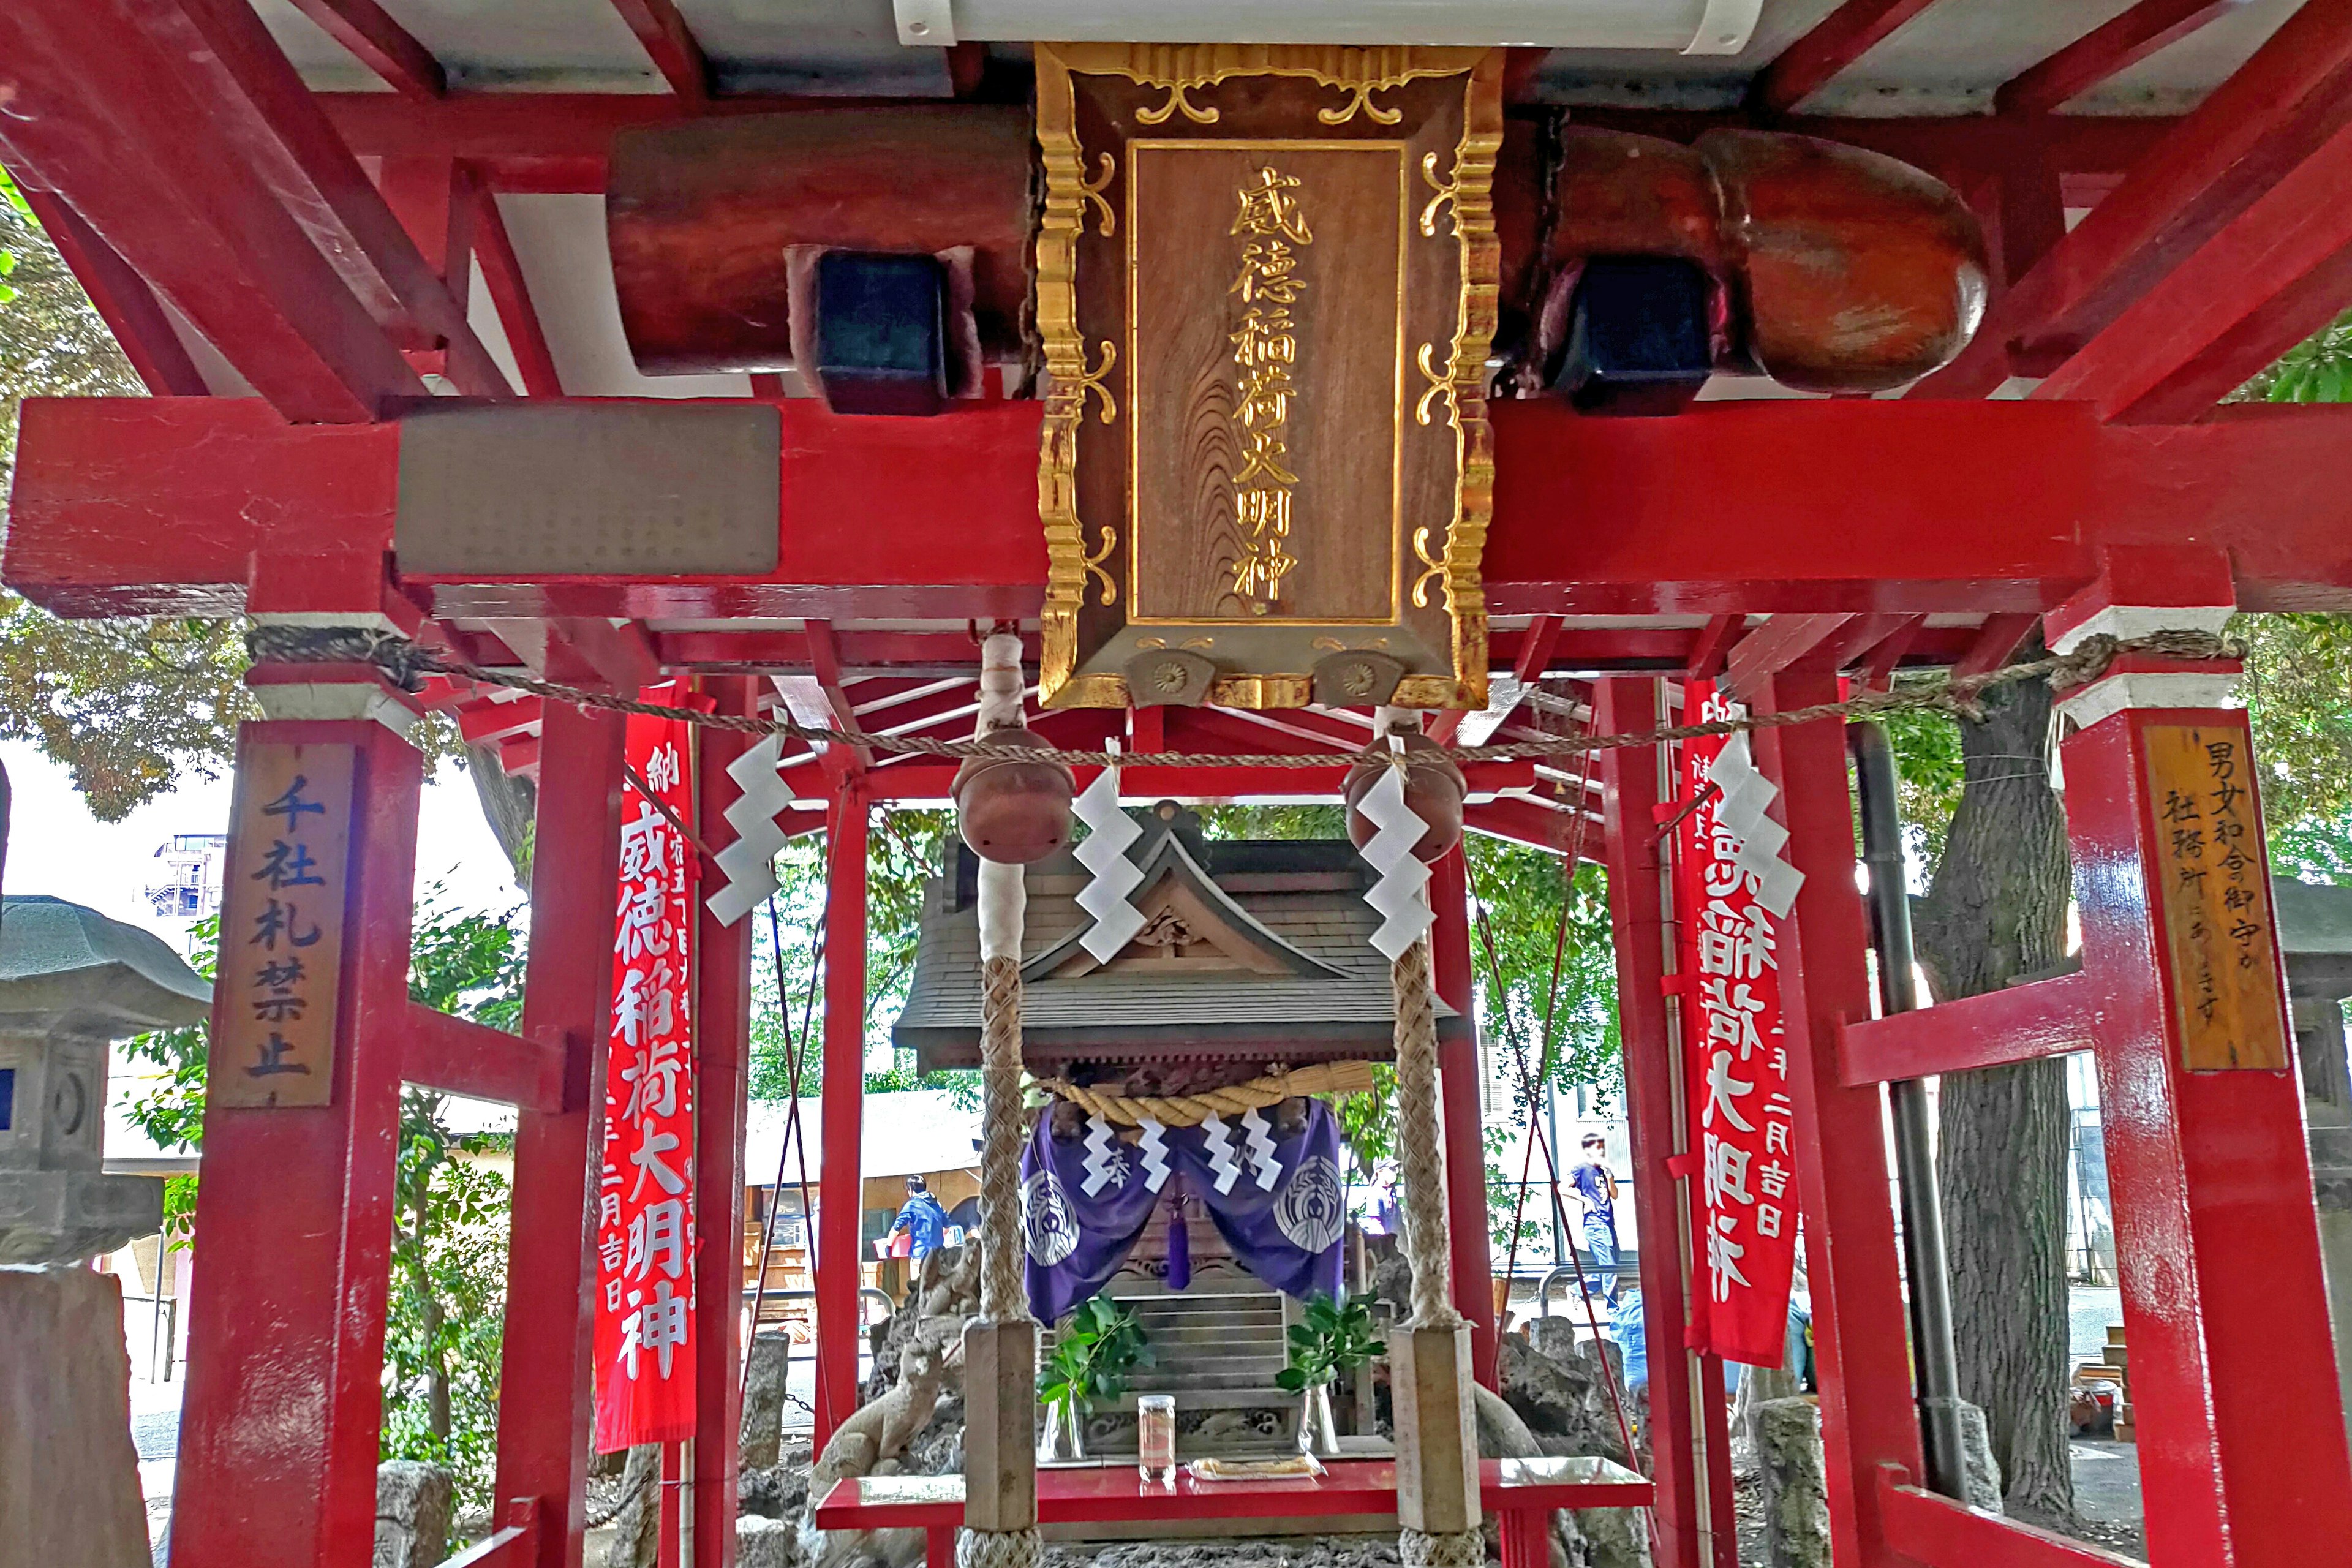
(281, 932)
(2214, 896)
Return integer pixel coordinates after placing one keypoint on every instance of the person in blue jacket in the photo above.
(921, 1218)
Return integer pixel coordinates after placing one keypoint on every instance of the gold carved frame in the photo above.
(1081, 377)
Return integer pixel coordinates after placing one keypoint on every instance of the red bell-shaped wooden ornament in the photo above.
(1012, 811)
(1434, 788)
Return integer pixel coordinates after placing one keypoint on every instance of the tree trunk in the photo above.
(510, 805)
(1996, 913)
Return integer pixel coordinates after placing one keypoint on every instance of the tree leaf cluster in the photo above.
(1331, 1339)
(1094, 1351)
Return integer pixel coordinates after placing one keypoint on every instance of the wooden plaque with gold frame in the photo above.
(1266, 283)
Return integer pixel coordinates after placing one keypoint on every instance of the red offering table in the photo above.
(1521, 1494)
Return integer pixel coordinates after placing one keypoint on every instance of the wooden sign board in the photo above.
(2213, 896)
(1266, 287)
(276, 992)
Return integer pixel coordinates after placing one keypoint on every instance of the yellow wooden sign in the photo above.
(2213, 897)
(276, 992)
(1266, 285)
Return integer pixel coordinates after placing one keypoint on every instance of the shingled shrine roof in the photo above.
(1253, 948)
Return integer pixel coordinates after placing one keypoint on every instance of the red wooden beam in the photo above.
(841, 1198)
(1711, 646)
(511, 295)
(669, 44)
(2022, 1024)
(102, 114)
(2266, 118)
(1803, 642)
(130, 308)
(262, 108)
(1924, 1528)
(1838, 39)
(1523, 821)
(2279, 272)
(2115, 46)
(1994, 642)
(824, 660)
(382, 45)
(457, 1056)
(162, 505)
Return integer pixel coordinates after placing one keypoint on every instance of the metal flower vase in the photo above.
(1318, 1434)
(1065, 1433)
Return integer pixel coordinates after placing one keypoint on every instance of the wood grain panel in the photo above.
(1343, 432)
(2212, 890)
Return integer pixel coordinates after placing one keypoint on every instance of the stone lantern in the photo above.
(71, 983)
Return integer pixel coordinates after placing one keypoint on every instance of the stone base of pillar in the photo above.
(1000, 1435)
(1437, 1449)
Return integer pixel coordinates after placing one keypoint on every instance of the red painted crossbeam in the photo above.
(1838, 39)
(380, 43)
(154, 505)
(2266, 118)
(1941, 1534)
(457, 1056)
(130, 308)
(2280, 271)
(2113, 46)
(2021, 1024)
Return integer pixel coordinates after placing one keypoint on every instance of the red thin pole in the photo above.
(840, 1185)
(1465, 1147)
(546, 1393)
(1681, 1469)
(722, 1027)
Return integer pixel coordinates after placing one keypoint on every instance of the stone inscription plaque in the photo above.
(2212, 893)
(281, 934)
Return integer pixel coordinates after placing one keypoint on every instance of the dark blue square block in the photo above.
(880, 332)
(1637, 338)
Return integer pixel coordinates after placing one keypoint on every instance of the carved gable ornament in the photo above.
(1266, 283)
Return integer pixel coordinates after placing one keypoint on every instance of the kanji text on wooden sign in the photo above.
(2212, 890)
(281, 932)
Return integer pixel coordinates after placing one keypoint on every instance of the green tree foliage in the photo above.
(905, 848)
(451, 1200)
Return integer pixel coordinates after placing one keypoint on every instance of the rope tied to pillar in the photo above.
(1004, 1294)
(1421, 1146)
(405, 663)
(1463, 1549)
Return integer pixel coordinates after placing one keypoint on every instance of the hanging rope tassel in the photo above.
(1000, 1527)
(1421, 1150)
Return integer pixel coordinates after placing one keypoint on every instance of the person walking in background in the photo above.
(1596, 1188)
(921, 1218)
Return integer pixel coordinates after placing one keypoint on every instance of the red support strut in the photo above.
(841, 1188)
(1466, 1146)
(722, 1019)
(546, 1394)
(1689, 1448)
(1868, 1415)
(283, 1405)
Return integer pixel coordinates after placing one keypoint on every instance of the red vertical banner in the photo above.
(1734, 887)
(644, 1202)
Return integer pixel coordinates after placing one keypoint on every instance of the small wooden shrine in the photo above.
(1252, 953)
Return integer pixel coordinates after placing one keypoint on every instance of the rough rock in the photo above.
(411, 1513)
(764, 1399)
(762, 1542)
(636, 1529)
(1501, 1434)
(1559, 1399)
(69, 1475)
(1796, 1485)
(1983, 1475)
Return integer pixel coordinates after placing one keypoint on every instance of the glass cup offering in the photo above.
(1155, 1434)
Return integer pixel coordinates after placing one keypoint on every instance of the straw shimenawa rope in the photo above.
(1421, 1157)
(1192, 1110)
(406, 664)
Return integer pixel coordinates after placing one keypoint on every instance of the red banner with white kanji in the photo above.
(1741, 1117)
(645, 1206)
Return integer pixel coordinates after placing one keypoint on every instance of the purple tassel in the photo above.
(1179, 1246)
